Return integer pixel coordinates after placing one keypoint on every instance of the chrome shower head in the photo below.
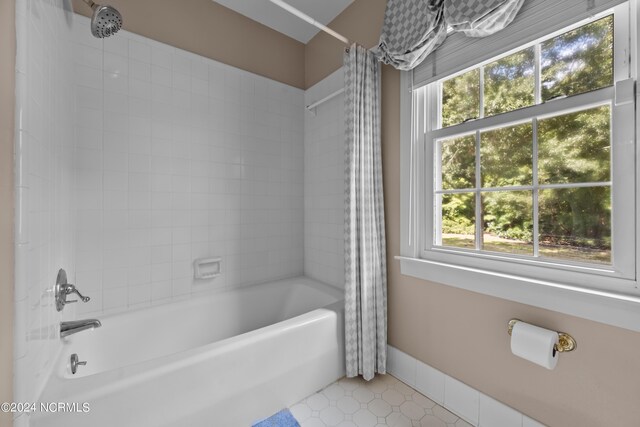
(106, 20)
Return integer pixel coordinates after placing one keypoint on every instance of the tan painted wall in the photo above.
(360, 22)
(212, 30)
(463, 333)
(7, 99)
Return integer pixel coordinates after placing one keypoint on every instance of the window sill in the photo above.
(605, 307)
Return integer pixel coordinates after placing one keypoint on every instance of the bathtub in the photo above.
(226, 359)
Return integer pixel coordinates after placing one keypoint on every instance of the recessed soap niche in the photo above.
(207, 268)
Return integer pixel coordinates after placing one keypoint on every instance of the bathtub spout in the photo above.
(75, 326)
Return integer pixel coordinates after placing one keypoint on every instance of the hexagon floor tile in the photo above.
(383, 401)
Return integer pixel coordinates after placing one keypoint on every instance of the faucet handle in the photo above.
(62, 289)
(71, 289)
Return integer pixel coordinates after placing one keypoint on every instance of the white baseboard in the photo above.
(474, 407)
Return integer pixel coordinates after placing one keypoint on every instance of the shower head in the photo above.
(106, 20)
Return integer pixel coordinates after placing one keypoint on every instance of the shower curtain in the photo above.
(412, 29)
(365, 247)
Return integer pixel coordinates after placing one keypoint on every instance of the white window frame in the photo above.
(580, 289)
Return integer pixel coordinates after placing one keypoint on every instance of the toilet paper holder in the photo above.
(565, 341)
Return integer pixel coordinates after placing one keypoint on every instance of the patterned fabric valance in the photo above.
(413, 29)
(480, 18)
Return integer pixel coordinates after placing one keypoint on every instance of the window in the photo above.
(526, 163)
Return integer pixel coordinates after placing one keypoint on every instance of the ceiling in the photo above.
(269, 14)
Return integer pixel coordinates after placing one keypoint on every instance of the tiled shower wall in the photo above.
(179, 157)
(44, 181)
(324, 183)
(133, 159)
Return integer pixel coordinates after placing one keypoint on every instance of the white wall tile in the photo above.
(430, 382)
(161, 56)
(114, 298)
(118, 83)
(88, 76)
(139, 51)
(496, 414)
(530, 422)
(161, 75)
(323, 180)
(462, 399)
(48, 75)
(475, 407)
(140, 88)
(402, 365)
(115, 64)
(117, 45)
(88, 56)
(150, 174)
(140, 294)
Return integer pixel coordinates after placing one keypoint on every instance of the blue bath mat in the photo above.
(283, 418)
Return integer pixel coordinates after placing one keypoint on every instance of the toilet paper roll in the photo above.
(535, 344)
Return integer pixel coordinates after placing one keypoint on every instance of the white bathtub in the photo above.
(227, 359)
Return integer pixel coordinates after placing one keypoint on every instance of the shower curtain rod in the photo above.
(310, 107)
(311, 21)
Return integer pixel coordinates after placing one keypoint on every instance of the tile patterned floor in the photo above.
(383, 401)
